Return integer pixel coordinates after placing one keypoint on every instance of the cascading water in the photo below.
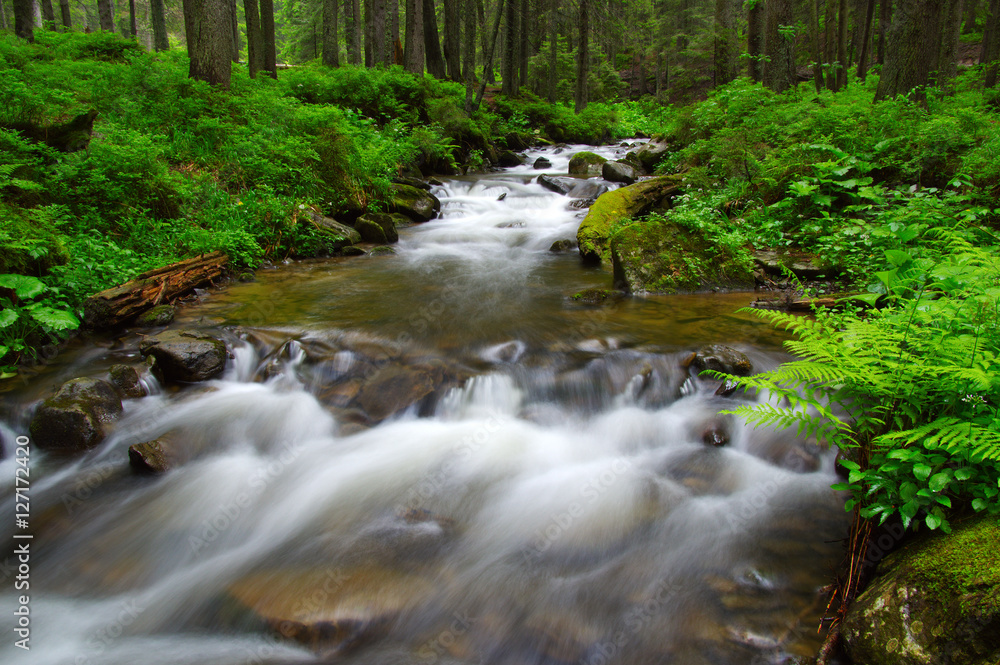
(542, 494)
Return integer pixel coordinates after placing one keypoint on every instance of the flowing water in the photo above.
(436, 456)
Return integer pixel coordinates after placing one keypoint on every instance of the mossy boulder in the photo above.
(586, 163)
(160, 315)
(651, 153)
(127, 380)
(377, 227)
(659, 256)
(614, 206)
(418, 205)
(185, 356)
(76, 417)
(337, 235)
(936, 600)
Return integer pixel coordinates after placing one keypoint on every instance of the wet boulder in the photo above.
(148, 458)
(77, 416)
(650, 154)
(394, 388)
(564, 245)
(337, 235)
(558, 184)
(542, 163)
(598, 296)
(612, 207)
(127, 380)
(619, 172)
(801, 264)
(377, 227)
(586, 163)
(160, 315)
(935, 600)
(587, 189)
(185, 356)
(509, 159)
(418, 205)
(660, 256)
(722, 358)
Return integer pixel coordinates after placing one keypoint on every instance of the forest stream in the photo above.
(434, 456)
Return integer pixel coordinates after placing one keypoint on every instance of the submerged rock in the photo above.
(76, 417)
(723, 358)
(612, 207)
(586, 163)
(148, 458)
(160, 315)
(563, 245)
(394, 388)
(598, 296)
(185, 356)
(935, 601)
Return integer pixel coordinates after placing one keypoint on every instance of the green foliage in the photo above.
(911, 391)
(27, 318)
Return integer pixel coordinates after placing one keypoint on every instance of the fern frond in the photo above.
(953, 435)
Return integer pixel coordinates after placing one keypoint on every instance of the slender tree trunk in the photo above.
(971, 15)
(24, 19)
(210, 41)
(991, 43)
(105, 12)
(432, 41)
(132, 31)
(488, 65)
(779, 68)
(817, 52)
(951, 32)
(857, 29)
(842, 45)
(755, 40)
(509, 65)
(49, 14)
(158, 18)
(393, 46)
(270, 59)
(452, 37)
(3, 17)
(727, 45)
(884, 23)
(255, 37)
(331, 47)
(583, 58)
(522, 59)
(469, 55)
(866, 41)
(369, 24)
(830, 44)
(553, 67)
(413, 51)
(912, 48)
(236, 30)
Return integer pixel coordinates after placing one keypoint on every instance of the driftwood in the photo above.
(121, 303)
(796, 304)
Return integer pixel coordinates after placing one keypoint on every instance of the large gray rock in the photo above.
(185, 356)
(76, 417)
(418, 205)
(509, 159)
(618, 172)
(936, 601)
(651, 154)
(586, 163)
(559, 184)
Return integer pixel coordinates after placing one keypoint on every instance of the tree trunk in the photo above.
(553, 49)
(508, 72)
(378, 18)
(331, 47)
(779, 67)
(255, 38)
(817, 52)
(583, 58)
(354, 34)
(951, 32)
(866, 41)
(106, 14)
(755, 41)
(210, 40)
(413, 51)
(270, 59)
(236, 29)
(488, 65)
(971, 16)
(469, 55)
(132, 31)
(884, 23)
(158, 18)
(727, 45)
(119, 304)
(393, 48)
(24, 19)
(912, 48)
(453, 37)
(830, 44)
(432, 41)
(67, 21)
(369, 23)
(842, 45)
(49, 14)
(522, 59)
(991, 43)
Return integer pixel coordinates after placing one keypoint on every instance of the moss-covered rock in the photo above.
(598, 296)
(936, 600)
(614, 206)
(77, 416)
(160, 315)
(586, 163)
(377, 227)
(659, 256)
(418, 205)
(337, 235)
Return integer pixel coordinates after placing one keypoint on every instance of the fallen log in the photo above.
(119, 304)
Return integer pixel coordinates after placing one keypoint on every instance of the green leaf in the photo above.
(7, 317)
(963, 473)
(897, 257)
(909, 509)
(24, 286)
(933, 521)
(3, 350)
(54, 319)
(802, 188)
(848, 464)
(922, 471)
(979, 505)
(940, 480)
